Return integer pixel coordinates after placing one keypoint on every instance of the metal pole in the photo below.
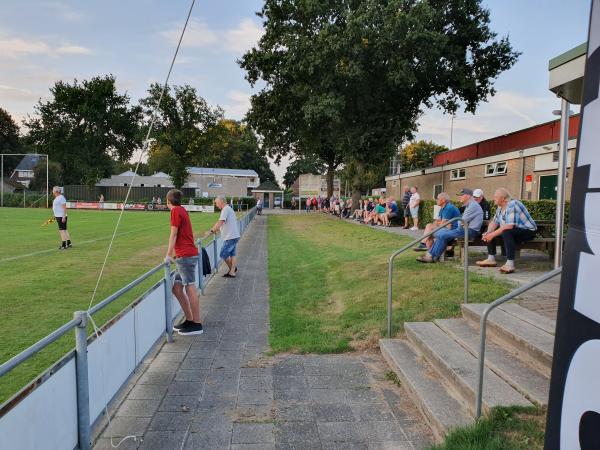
(562, 174)
(2, 182)
(200, 267)
(82, 381)
(47, 185)
(389, 305)
(466, 262)
(215, 254)
(168, 300)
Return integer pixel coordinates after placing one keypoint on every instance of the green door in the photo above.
(266, 200)
(548, 185)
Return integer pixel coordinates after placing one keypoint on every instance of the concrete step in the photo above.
(535, 319)
(441, 411)
(528, 381)
(530, 343)
(459, 368)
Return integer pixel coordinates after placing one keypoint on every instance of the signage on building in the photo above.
(574, 404)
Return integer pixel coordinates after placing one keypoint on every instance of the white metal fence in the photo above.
(58, 409)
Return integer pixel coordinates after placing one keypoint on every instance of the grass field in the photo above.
(328, 285)
(41, 287)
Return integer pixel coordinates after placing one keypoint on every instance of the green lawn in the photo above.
(42, 287)
(507, 428)
(328, 285)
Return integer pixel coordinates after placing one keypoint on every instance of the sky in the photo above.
(45, 41)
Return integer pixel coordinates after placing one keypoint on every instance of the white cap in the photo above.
(477, 193)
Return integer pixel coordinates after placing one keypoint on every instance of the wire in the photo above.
(152, 121)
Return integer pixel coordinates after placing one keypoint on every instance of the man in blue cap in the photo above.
(472, 217)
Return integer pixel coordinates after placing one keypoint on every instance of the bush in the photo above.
(540, 210)
(31, 200)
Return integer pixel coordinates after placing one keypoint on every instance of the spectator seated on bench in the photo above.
(513, 223)
(447, 212)
(473, 217)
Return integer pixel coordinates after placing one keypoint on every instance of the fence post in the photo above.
(466, 262)
(200, 267)
(82, 381)
(168, 299)
(215, 254)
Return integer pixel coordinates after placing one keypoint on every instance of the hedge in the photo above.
(541, 210)
(31, 200)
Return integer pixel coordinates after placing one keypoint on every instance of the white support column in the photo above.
(563, 153)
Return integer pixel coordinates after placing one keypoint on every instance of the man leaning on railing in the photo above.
(473, 217)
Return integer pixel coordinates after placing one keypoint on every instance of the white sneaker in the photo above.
(413, 229)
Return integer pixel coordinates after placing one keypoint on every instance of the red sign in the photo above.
(529, 178)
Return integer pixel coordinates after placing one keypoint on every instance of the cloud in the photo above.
(18, 47)
(17, 94)
(198, 34)
(65, 12)
(506, 112)
(243, 37)
(238, 105)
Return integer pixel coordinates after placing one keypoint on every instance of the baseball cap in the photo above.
(477, 193)
(465, 191)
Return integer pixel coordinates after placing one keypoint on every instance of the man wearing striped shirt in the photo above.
(514, 223)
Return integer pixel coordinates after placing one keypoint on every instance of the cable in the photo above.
(152, 120)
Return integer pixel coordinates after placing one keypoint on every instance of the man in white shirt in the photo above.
(230, 232)
(59, 209)
(413, 205)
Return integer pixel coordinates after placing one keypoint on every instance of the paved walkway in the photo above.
(220, 391)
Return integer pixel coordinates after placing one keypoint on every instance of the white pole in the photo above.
(47, 163)
(2, 182)
(562, 174)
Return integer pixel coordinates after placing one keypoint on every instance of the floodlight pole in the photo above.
(563, 153)
(47, 185)
(2, 182)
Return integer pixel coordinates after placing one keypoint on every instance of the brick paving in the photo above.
(220, 391)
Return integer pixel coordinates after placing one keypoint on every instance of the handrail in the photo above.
(391, 268)
(483, 325)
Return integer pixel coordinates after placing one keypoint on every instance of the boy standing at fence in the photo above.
(183, 248)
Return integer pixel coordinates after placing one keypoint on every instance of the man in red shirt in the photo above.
(183, 248)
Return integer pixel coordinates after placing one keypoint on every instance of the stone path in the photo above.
(220, 391)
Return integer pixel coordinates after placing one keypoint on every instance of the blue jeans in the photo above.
(229, 248)
(444, 237)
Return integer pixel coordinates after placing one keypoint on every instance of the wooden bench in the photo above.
(543, 240)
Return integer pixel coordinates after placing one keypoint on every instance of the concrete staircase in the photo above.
(437, 363)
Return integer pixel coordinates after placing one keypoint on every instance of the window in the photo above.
(25, 173)
(493, 169)
(458, 174)
(437, 189)
(554, 156)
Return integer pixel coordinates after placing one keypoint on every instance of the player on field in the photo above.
(59, 208)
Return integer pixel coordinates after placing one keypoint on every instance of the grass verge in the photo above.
(506, 428)
(328, 285)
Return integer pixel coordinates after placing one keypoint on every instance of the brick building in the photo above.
(525, 162)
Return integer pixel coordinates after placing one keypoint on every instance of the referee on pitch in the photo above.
(59, 208)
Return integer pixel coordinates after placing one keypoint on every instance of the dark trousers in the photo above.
(511, 238)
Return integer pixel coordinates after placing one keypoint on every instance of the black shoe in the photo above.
(421, 248)
(69, 245)
(62, 248)
(450, 253)
(181, 324)
(191, 329)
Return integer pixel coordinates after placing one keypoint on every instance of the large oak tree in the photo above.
(353, 76)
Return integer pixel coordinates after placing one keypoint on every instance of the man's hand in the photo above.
(487, 237)
(168, 259)
(64, 219)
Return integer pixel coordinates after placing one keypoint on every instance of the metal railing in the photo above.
(410, 245)
(80, 321)
(483, 326)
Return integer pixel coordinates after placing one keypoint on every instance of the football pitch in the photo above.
(41, 287)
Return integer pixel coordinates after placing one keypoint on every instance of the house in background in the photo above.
(10, 187)
(270, 193)
(525, 162)
(23, 173)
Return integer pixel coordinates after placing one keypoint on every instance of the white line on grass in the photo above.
(41, 252)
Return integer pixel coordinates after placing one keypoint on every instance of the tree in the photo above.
(300, 165)
(84, 127)
(182, 123)
(9, 141)
(160, 158)
(419, 155)
(361, 71)
(55, 176)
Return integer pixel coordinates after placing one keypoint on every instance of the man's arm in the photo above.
(64, 217)
(217, 226)
(172, 239)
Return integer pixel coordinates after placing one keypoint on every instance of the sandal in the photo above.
(506, 270)
(227, 275)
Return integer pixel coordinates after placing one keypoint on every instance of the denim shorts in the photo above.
(229, 247)
(186, 269)
(414, 212)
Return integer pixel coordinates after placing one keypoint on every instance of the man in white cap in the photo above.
(485, 205)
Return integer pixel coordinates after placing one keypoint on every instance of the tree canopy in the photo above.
(9, 141)
(353, 76)
(85, 126)
(419, 155)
